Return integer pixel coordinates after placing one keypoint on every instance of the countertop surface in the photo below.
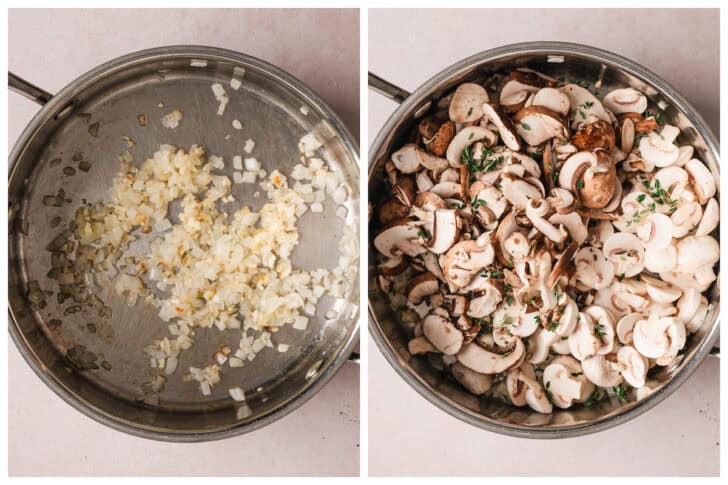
(678, 437)
(50, 49)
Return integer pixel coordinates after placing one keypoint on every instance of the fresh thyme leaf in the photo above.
(594, 398)
(599, 330)
(525, 126)
(470, 111)
(641, 197)
(537, 319)
(509, 299)
(576, 374)
(506, 321)
(587, 104)
(554, 324)
(580, 184)
(620, 392)
(424, 233)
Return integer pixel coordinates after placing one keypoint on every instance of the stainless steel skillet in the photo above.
(558, 60)
(93, 120)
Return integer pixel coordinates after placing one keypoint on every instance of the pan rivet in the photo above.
(313, 370)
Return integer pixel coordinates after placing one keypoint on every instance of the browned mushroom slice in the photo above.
(393, 266)
(421, 286)
(446, 230)
(537, 124)
(404, 189)
(592, 176)
(561, 265)
(641, 124)
(464, 260)
(399, 237)
(392, 210)
(504, 124)
(598, 134)
(442, 139)
(429, 201)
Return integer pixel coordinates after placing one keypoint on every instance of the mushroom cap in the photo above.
(595, 171)
(626, 253)
(685, 218)
(481, 360)
(513, 95)
(634, 366)
(519, 191)
(694, 252)
(655, 232)
(539, 345)
(466, 102)
(710, 219)
(593, 269)
(463, 139)
(553, 99)
(474, 382)
(582, 342)
(657, 150)
(446, 230)
(701, 179)
(421, 286)
(442, 334)
(650, 336)
(464, 260)
(661, 291)
(625, 326)
(625, 100)
(504, 124)
(592, 136)
(688, 304)
(537, 124)
(601, 371)
(399, 237)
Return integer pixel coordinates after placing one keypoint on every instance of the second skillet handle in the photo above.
(30, 91)
(387, 89)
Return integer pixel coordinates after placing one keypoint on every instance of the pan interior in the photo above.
(427, 372)
(91, 123)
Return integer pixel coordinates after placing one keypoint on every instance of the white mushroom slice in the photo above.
(593, 270)
(446, 230)
(514, 93)
(677, 336)
(603, 327)
(517, 246)
(519, 192)
(466, 102)
(494, 200)
(626, 252)
(466, 137)
(633, 366)
(442, 334)
(447, 190)
(683, 280)
(537, 124)
(625, 327)
(686, 153)
(517, 383)
(561, 346)
(661, 291)
(474, 382)
(538, 400)
(539, 344)
(627, 100)
(424, 182)
(483, 305)
(406, 159)
(705, 275)
(672, 179)
(661, 260)
(582, 342)
(450, 175)
(421, 286)
(552, 99)
(584, 105)
(698, 318)
(399, 238)
(701, 179)
(420, 345)
(562, 200)
(600, 233)
(627, 135)
(484, 361)
(694, 252)
(565, 381)
(535, 211)
(658, 149)
(650, 336)
(601, 372)
(685, 218)
(710, 219)
(464, 260)
(568, 317)
(655, 232)
(504, 125)
(688, 304)
(575, 225)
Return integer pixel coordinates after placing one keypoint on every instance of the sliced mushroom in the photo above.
(633, 366)
(694, 252)
(592, 136)
(481, 360)
(474, 382)
(655, 232)
(539, 344)
(446, 230)
(701, 179)
(658, 148)
(464, 260)
(601, 371)
(442, 334)
(662, 260)
(466, 137)
(505, 127)
(626, 252)
(650, 336)
(553, 99)
(583, 342)
(564, 379)
(593, 269)
(399, 237)
(592, 176)
(483, 305)
(466, 103)
(710, 219)
(537, 124)
(625, 100)
(518, 191)
(392, 210)
(573, 224)
(420, 345)
(393, 266)
(513, 95)
(584, 105)
(421, 286)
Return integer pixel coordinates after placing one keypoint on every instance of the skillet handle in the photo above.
(30, 91)
(387, 89)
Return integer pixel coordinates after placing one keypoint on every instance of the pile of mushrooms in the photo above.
(550, 244)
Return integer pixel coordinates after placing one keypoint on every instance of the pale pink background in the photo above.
(681, 435)
(50, 48)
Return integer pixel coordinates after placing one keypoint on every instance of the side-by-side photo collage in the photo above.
(363, 241)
